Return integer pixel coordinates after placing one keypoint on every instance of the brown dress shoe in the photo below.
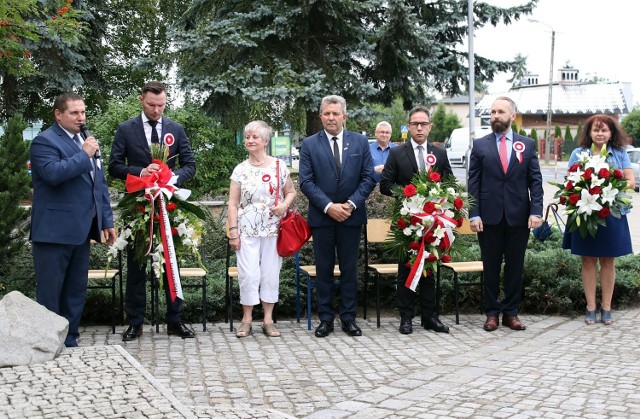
(513, 323)
(491, 323)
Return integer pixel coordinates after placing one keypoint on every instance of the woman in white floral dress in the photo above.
(253, 225)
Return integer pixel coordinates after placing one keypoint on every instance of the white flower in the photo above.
(596, 163)
(609, 194)
(407, 231)
(575, 177)
(588, 203)
(414, 204)
(451, 191)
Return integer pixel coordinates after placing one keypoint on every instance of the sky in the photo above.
(597, 37)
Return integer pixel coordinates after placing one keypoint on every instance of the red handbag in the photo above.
(293, 231)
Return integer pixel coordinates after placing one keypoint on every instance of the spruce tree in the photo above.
(14, 187)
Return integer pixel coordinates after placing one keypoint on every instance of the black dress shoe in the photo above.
(181, 330)
(324, 329)
(406, 327)
(351, 328)
(433, 323)
(132, 333)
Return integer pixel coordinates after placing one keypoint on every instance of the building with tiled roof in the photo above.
(572, 101)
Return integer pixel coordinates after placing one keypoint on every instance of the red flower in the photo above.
(402, 224)
(445, 258)
(156, 218)
(573, 199)
(458, 203)
(604, 212)
(604, 173)
(429, 207)
(460, 221)
(410, 191)
(171, 206)
(414, 246)
(563, 199)
(140, 208)
(428, 272)
(575, 167)
(618, 174)
(63, 10)
(443, 245)
(434, 177)
(407, 265)
(569, 186)
(431, 258)
(174, 231)
(595, 190)
(415, 220)
(430, 238)
(587, 174)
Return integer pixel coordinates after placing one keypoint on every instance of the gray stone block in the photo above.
(29, 333)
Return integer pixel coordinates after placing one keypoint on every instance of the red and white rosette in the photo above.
(518, 147)
(169, 139)
(430, 160)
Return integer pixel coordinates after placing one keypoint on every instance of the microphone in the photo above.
(86, 134)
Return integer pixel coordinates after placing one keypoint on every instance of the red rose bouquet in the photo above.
(156, 219)
(592, 191)
(425, 216)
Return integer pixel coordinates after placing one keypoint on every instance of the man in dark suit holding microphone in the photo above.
(131, 154)
(402, 164)
(71, 206)
(505, 180)
(336, 175)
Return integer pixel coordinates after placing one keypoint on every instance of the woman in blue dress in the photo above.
(613, 240)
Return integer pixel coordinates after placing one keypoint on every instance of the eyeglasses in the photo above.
(419, 124)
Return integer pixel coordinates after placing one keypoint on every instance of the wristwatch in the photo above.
(353, 207)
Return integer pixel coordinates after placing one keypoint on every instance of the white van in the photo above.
(458, 144)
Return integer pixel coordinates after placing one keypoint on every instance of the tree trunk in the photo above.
(10, 98)
(314, 124)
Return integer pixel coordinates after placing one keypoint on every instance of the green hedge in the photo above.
(552, 283)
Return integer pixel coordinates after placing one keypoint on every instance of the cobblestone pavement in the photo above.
(559, 367)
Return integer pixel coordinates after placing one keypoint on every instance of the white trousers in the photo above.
(258, 270)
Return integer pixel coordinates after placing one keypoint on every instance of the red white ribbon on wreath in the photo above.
(440, 220)
(156, 186)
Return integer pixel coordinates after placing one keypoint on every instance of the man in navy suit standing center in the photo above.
(336, 175)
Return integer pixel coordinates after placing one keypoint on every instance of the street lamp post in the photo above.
(547, 143)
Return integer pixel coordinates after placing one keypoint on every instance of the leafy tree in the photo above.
(443, 123)
(26, 26)
(394, 114)
(567, 133)
(14, 187)
(519, 70)
(578, 131)
(278, 59)
(631, 123)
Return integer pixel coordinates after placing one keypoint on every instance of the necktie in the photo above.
(336, 155)
(421, 158)
(154, 132)
(76, 140)
(503, 153)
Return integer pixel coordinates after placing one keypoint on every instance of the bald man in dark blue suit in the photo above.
(71, 206)
(337, 188)
(508, 203)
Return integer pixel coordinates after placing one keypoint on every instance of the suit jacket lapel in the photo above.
(346, 142)
(138, 128)
(411, 156)
(324, 144)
